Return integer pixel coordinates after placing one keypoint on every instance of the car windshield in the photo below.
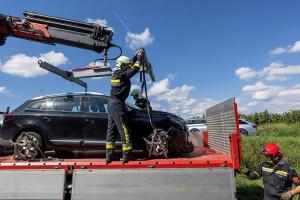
(243, 122)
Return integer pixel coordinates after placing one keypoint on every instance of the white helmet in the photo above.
(122, 60)
(136, 92)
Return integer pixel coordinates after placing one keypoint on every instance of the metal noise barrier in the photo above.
(221, 122)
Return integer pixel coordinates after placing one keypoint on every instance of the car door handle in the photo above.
(90, 121)
(46, 118)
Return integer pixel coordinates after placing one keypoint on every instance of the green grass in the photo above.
(249, 190)
(280, 129)
(286, 136)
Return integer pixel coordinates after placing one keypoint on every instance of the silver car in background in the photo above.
(247, 128)
(199, 124)
(196, 124)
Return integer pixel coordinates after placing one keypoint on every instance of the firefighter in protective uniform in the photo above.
(117, 112)
(278, 176)
(140, 101)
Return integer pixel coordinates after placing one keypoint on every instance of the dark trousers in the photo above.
(118, 122)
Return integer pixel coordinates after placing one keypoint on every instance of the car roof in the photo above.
(195, 118)
(67, 94)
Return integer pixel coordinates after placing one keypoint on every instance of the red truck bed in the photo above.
(220, 147)
(199, 158)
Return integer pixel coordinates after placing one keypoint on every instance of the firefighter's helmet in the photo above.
(123, 60)
(273, 151)
(136, 93)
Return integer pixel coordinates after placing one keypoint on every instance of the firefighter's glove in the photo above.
(140, 55)
(286, 196)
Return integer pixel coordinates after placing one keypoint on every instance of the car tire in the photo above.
(26, 148)
(243, 132)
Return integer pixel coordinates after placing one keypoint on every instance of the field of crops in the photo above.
(284, 135)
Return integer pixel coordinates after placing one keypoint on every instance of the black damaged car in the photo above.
(78, 121)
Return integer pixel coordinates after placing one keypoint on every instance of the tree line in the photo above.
(267, 117)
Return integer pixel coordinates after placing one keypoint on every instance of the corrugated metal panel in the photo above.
(149, 184)
(220, 123)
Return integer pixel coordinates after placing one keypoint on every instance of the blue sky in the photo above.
(203, 52)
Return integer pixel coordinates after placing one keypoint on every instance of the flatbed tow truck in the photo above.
(206, 173)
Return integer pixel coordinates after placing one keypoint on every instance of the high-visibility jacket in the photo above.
(276, 179)
(120, 81)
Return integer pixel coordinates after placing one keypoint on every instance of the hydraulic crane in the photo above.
(53, 30)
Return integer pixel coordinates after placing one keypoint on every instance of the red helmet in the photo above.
(273, 151)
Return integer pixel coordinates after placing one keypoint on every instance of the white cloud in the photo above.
(101, 22)
(27, 66)
(278, 51)
(159, 87)
(265, 95)
(275, 71)
(135, 41)
(55, 58)
(289, 49)
(177, 94)
(245, 73)
(156, 106)
(262, 92)
(271, 97)
(3, 90)
(252, 103)
(295, 48)
(133, 87)
(282, 73)
(275, 98)
(290, 93)
(259, 86)
(177, 100)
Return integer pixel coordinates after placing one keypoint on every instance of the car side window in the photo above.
(242, 122)
(48, 105)
(189, 122)
(199, 121)
(67, 104)
(36, 105)
(97, 105)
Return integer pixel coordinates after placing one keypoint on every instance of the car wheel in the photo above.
(29, 145)
(243, 132)
(157, 143)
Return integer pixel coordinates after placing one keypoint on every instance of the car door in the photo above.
(95, 120)
(65, 117)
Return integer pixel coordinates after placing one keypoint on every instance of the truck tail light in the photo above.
(8, 117)
(254, 126)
